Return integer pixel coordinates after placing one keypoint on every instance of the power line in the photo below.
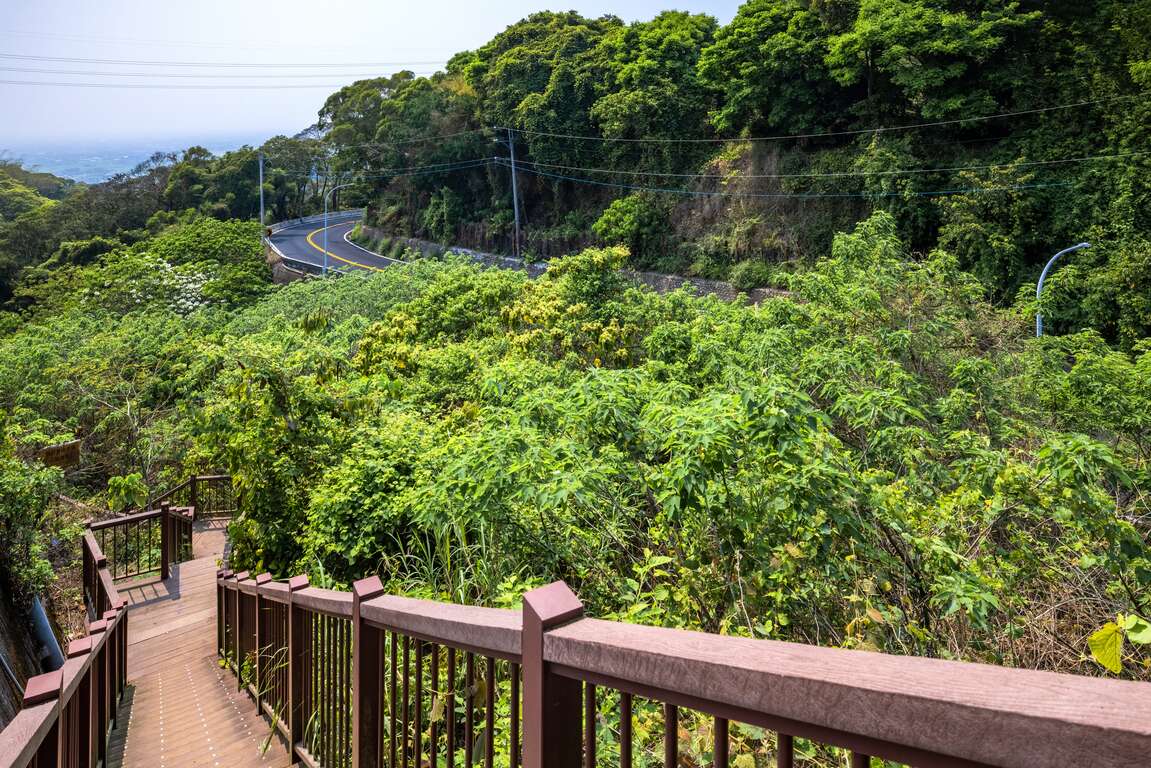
(837, 174)
(213, 64)
(463, 165)
(855, 132)
(230, 46)
(387, 173)
(417, 140)
(172, 86)
(789, 195)
(206, 76)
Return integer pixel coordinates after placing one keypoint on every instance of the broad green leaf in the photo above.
(1107, 646)
(1138, 629)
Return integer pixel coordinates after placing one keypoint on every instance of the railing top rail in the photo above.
(174, 489)
(487, 631)
(124, 519)
(329, 601)
(976, 712)
(94, 549)
(25, 733)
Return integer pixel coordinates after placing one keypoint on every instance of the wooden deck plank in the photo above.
(182, 709)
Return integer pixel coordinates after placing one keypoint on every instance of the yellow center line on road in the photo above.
(320, 248)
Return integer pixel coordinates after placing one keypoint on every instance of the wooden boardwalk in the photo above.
(182, 709)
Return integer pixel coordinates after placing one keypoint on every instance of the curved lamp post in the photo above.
(1043, 276)
(326, 196)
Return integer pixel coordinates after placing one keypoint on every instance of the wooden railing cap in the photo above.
(79, 647)
(98, 626)
(43, 688)
(296, 583)
(366, 589)
(263, 578)
(553, 604)
(110, 615)
(241, 576)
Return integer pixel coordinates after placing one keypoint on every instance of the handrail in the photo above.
(365, 645)
(134, 517)
(67, 714)
(485, 631)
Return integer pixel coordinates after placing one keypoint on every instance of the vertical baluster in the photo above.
(406, 710)
(450, 708)
(489, 712)
(347, 688)
(339, 718)
(670, 735)
(313, 715)
(393, 652)
(433, 726)
(514, 736)
(785, 751)
(625, 748)
(419, 714)
(324, 689)
(330, 688)
(589, 712)
(341, 693)
(721, 754)
(860, 760)
(469, 708)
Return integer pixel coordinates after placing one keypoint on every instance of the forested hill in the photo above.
(604, 113)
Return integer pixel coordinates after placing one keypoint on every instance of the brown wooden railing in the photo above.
(209, 495)
(146, 542)
(365, 679)
(68, 714)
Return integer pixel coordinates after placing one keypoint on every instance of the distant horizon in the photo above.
(100, 158)
(134, 70)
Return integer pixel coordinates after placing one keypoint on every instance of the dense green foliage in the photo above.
(881, 458)
(880, 461)
(596, 99)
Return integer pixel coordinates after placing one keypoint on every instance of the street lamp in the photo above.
(326, 196)
(1043, 276)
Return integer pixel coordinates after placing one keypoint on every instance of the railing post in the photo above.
(112, 655)
(367, 661)
(165, 539)
(194, 495)
(102, 685)
(262, 579)
(38, 690)
(552, 711)
(86, 697)
(221, 619)
(238, 631)
(297, 665)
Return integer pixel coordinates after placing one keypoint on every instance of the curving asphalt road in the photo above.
(304, 244)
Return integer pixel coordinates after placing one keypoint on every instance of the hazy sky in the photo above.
(336, 32)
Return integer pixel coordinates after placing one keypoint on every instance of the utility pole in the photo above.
(1043, 276)
(515, 191)
(261, 156)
